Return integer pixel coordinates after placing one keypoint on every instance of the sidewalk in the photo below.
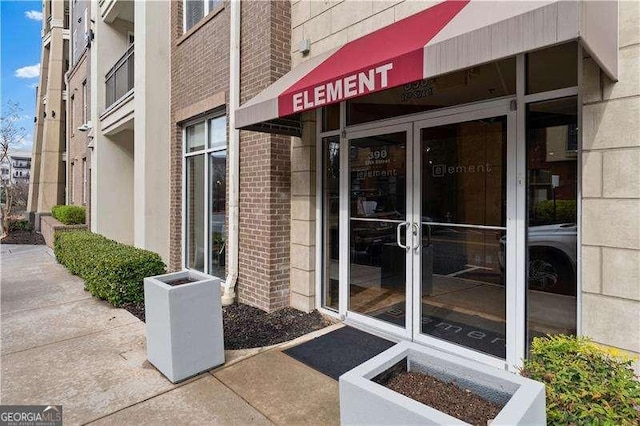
(61, 346)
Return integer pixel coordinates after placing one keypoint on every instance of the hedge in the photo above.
(565, 212)
(112, 271)
(20, 225)
(69, 215)
(585, 383)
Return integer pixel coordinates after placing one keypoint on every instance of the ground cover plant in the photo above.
(585, 383)
(111, 271)
(69, 215)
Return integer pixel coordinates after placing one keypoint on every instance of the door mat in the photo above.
(335, 353)
(467, 330)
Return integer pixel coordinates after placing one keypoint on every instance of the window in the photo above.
(72, 113)
(85, 103)
(84, 181)
(75, 46)
(205, 152)
(71, 182)
(195, 10)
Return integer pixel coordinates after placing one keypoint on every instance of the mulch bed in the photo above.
(446, 397)
(248, 327)
(23, 237)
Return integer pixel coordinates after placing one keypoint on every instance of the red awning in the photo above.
(449, 36)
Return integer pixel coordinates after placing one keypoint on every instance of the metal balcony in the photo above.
(119, 79)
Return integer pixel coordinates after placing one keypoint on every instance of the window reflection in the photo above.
(552, 214)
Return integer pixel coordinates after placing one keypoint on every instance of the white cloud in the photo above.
(31, 71)
(33, 14)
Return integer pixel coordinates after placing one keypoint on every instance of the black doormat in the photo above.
(467, 330)
(337, 352)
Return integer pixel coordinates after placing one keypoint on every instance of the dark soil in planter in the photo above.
(446, 397)
(180, 281)
(248, 327)
(23, 237)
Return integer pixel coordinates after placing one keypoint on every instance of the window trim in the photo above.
(206, 152)
(205, 13)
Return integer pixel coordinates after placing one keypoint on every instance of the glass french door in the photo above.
(431, 209)
(464, 205)
(379, 231)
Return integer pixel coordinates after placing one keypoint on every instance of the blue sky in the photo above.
(20, 25)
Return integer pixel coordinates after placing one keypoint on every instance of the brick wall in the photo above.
(199, 75)
(265, 182)
(199, 71)
(77, 141)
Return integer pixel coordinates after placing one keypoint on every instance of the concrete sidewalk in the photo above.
(61, 346)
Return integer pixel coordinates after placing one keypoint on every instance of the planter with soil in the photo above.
(184, 323)
(414, 384)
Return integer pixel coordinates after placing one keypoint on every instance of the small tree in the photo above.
(11, 135)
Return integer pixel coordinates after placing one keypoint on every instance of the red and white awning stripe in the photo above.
(449, 36)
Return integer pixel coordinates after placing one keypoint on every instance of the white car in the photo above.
(552, 258)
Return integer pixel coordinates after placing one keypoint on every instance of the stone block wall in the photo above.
(611, 193)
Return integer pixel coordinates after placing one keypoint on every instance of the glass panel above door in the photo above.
(377, 205)
(463, 228)
(488, 81)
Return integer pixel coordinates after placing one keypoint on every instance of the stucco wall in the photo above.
(611, 194)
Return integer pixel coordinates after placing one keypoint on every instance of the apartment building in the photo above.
(16, 168)
(463, 174)
(78, 125)
(47, 185)
(454, 173)
(129, 151)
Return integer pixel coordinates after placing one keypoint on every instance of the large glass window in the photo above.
(552, 189)
(205, 195)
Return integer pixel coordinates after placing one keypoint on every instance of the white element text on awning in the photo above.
(343, 88)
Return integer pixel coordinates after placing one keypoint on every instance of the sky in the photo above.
(20, 25)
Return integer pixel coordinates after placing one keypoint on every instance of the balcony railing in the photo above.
(119, 79)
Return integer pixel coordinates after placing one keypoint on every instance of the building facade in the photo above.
(207, 153)
(451, 173)
(47, 186)
(78, 86)
(16, 168)
(130, 105)
(455, 191)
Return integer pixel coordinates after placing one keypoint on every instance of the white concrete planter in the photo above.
(363, 401)
(184, 324)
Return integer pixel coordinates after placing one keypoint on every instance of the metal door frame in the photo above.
(355, 318)
(512, 282)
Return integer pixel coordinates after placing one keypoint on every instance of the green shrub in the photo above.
(69, 215)
(585, 383)
(20, 225)
(565, 212)
(111, 271)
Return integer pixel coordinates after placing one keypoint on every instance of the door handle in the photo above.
(415, 229)
(399, 235)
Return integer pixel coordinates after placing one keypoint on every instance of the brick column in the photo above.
(265, 185)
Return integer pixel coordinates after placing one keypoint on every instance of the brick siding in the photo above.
(199, 70)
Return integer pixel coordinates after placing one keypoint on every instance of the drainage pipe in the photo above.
(234, 155)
